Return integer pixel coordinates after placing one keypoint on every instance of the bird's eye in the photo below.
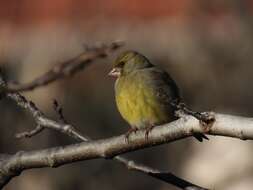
(120, 64)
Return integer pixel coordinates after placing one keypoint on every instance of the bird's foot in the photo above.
(131, 130)
(148, 129)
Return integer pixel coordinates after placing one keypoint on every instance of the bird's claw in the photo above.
(148, 131)
(131, 130)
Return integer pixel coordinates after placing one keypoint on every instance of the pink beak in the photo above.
(115, 72)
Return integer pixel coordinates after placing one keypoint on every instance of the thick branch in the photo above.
(44, 122)
(225, 125)
(66, 68)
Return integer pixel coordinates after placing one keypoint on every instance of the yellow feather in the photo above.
(138, 103)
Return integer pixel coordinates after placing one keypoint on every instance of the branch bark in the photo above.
(43, 122)
(224, 125)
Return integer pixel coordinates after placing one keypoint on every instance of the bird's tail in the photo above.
(178, 105)
(200, 136)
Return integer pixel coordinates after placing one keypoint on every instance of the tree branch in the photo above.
(69, 130)
(108, 148)
(43, 122)
(224, 125)
(13, 165)
(28, 134)
(64, 69)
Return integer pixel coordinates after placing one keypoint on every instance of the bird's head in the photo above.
(128, 62)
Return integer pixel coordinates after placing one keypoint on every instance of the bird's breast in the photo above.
(138, 103)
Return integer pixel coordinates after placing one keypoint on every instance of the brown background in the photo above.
(205, 45)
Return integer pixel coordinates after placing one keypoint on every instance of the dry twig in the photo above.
(64, 69)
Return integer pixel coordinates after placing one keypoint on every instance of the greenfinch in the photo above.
(144, 93)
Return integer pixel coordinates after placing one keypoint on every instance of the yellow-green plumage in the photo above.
(138, 102)
(143, 92)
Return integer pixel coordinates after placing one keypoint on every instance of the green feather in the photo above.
(144, 92)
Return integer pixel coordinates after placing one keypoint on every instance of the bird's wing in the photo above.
(167, 91)
(163, 85)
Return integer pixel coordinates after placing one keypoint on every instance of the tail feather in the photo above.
(200, 136)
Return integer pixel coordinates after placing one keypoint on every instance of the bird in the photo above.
(144, 93)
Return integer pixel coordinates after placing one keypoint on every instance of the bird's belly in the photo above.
(140, 107)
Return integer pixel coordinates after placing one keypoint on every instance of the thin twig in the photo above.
(28, 134)
(64, 69)
(58, 109)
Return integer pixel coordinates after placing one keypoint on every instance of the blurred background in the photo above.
(205, 45)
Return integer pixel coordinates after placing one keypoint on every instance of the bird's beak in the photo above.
(115, 72)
